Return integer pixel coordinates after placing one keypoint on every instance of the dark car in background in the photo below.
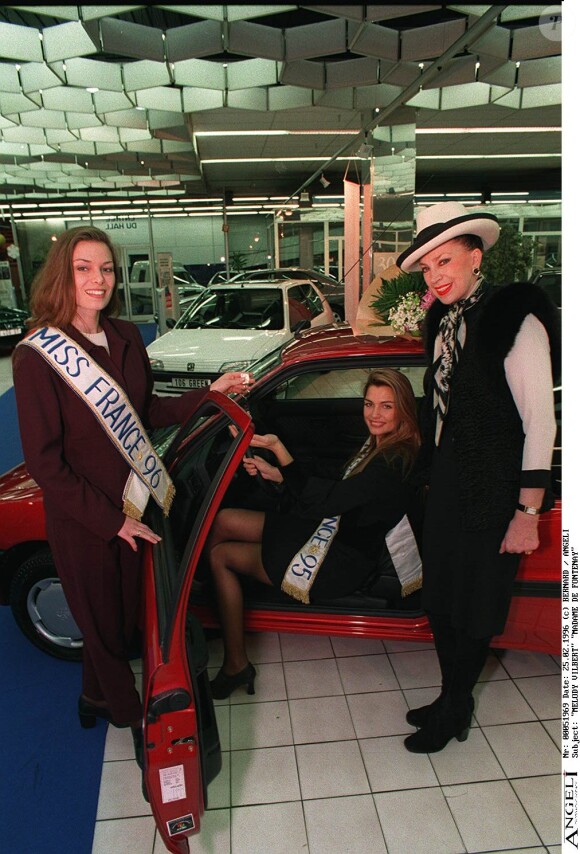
(550, 280)
(12, 326)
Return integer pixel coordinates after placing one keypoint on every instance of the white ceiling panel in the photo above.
(99, 134)
(21, 43)
(497, 73)
(531, 43)
(68, 98)
(92, 72)
(127, 118)
(372, 40)
(9, 79)
(193, 40)
(289, 97)
(66, 41)
(44, 119)
(427, 42)
(12, 103)
(127, 39)
(539, 72)
(37, 75)
(108, 102)
(145, 74)
(90, 13)
(23, 134)
(248, 99)
(75, 121)
(251, 72)
(288, 67)
(352, 72)
(160, 98)
(541, 96)
(469, 95)
(312, 40)
(251, 39)
(303, 72)
(200, 73)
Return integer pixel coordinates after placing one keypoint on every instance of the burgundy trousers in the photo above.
(102, 584)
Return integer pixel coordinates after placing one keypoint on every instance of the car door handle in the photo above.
(170, 701)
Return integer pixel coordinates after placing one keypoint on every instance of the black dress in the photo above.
(464, 575)
(369, 503)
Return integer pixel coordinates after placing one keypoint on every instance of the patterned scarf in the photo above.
(448, 346)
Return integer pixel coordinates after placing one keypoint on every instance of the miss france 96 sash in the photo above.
(400, 543)
(111, 407)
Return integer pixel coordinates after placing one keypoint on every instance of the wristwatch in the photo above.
(531, 511)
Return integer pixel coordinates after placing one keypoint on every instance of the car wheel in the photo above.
(41, 610)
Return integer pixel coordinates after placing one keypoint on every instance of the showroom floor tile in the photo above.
(314, 762)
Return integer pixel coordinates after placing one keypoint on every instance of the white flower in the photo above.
(407, 314)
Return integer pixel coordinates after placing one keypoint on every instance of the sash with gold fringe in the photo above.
(399, 540)
(111, 407)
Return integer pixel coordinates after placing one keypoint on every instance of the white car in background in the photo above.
(229, 327)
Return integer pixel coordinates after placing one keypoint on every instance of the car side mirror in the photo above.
(170, 322)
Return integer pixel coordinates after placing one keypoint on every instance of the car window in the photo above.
(299, 306)
(340, 384)
(239, 308)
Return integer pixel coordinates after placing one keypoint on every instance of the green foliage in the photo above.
(510, 259)
(237, 261)
(392, 290)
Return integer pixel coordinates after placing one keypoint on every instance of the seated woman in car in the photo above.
(326, 540)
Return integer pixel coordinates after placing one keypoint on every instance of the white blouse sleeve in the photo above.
(529, 376)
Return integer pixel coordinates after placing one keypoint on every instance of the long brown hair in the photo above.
(404, 441)
(52, 299)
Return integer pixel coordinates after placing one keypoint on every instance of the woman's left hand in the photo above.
(233, 382)
(521, 536)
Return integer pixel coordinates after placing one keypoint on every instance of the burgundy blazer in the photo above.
(67, 452)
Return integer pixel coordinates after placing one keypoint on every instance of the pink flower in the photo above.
(427, 300)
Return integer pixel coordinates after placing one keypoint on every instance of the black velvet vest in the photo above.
(482, 421)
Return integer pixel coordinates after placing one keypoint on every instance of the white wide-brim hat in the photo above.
(442, 222)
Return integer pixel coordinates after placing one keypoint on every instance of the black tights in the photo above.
(461, 657)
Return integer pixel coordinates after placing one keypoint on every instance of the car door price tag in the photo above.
(570, 688)
(172, 782)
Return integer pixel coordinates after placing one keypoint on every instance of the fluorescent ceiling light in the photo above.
(481, 156)
(342, 132)
(493, 130)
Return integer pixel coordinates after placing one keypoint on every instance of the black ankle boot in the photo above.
(88, 713)
(451, 720)
(223, 685)
(419, 717)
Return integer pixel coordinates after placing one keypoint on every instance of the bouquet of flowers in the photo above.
(402, 303)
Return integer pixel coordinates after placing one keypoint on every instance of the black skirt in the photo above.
(344, 569)
(464, 575)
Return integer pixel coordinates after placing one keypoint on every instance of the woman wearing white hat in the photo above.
(489, 430)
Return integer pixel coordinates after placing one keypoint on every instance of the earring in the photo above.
(476, 271)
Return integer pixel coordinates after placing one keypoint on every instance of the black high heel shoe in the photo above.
(88, 714)
(223, 685)
(419, 717)
(446, 723)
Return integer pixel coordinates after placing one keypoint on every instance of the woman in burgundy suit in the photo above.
(83, 455)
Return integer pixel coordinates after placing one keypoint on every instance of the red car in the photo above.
(309, 394)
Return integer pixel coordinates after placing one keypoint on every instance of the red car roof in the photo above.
(341, 341)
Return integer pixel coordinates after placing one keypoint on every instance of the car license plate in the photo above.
(189, 382)
(10, 331)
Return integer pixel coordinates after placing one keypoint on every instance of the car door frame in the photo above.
(173, 775)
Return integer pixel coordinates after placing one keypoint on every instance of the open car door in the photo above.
(182, 750)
